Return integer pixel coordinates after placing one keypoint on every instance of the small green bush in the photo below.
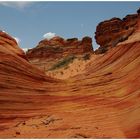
(63, 63)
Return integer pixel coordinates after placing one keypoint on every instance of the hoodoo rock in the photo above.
(111, 32)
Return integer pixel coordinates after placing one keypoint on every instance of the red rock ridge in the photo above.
(58, 47)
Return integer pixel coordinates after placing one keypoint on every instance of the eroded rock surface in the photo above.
(111, 32)
(57, 47)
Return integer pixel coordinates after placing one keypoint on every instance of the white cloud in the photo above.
(16, 4)
(49, 35)
(25, 49)
(17, 39)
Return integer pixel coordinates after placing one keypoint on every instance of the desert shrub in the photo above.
(62, 63)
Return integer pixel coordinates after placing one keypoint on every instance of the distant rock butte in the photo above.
(111, 32)
(58, 47)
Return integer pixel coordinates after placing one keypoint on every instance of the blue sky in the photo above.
(30, 21)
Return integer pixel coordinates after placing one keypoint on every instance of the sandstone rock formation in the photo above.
(57, 47)
(110, 32)
(102, 102)
(56, 53)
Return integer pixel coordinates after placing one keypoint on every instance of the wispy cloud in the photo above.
(49, 35)
(17, 4)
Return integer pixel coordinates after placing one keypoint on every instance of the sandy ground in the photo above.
(76, 67)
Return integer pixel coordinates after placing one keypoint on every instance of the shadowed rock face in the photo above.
(110, 32)
(102, 102)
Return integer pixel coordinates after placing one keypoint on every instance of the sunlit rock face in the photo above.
(10, 45)
(15, 69)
